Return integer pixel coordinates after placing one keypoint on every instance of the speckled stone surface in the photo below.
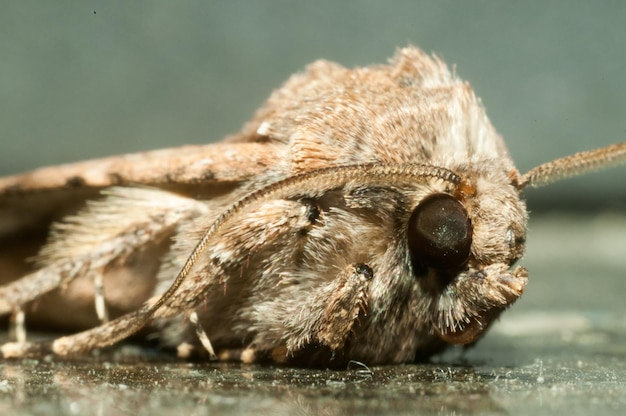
(560, 350)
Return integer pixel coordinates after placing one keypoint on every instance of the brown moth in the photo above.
(367, 214)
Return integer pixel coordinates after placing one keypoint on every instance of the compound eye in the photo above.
(440, 232)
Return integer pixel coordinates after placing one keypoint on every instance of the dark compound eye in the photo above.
(440, 232)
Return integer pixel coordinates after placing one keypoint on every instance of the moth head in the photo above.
(464, 244)
(484, 224)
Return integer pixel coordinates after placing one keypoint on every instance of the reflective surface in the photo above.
(561, 350)
(95, 78)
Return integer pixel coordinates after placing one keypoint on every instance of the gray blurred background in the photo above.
(93, 78)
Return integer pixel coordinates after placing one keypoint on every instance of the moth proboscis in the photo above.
(369, 214)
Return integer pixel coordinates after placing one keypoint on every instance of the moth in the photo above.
(368, 214)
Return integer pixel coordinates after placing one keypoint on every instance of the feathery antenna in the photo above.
(574, 165)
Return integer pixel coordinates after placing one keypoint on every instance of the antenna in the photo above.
(574, 165)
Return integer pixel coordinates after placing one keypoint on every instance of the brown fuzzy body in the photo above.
(315, 269)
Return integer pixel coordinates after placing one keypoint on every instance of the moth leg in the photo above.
(18, 326)
(220, 279)
(15, 294)
(470, 305)
(271, 222)
(347, 300)
(108, 231)
(244, 355)
(100, 303)
(328, 317)
(187, 350)
(331, 324)
(251, 355)
(202, 336)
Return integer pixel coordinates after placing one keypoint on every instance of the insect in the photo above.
(367, 214)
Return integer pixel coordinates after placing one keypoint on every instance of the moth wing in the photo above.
(30, 202)
(33, 199)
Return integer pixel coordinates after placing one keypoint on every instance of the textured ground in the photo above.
(561, 350)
